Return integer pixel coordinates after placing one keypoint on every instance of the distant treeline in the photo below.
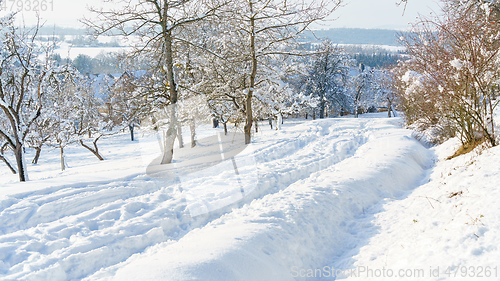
(336, 35)
(104, 63)
(57, 30)
(90, 41)
(356, 36)
(107, 63)
(369, 56)
(378, 60)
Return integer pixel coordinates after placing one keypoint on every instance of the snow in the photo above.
(389, 48)
(456, 63)
(299, 226)
(66, 50)
(296, 204)
(447, 229)
(410, 76)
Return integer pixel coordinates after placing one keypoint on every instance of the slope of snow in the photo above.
(88, 221)
(446, 229)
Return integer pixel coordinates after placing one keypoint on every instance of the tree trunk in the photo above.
(389, 107)
(131, 129)
(21, 164)
(169, 137)
(179, 136)
(322, 109)
(225, 128)
(192, 127)
(253, 75)
(63, 161)
(492, 121)
(94, 150)
(256, 126)
(37, 154)
(169, 140)
(249, 117)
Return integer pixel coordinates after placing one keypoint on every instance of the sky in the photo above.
(385, 14)
(355, 13)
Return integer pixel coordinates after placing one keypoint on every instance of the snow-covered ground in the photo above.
(446, 229)
(66, 50)
(303, 203)
(389, 48)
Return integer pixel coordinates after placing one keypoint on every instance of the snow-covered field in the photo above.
(304, 203)
(65, 50)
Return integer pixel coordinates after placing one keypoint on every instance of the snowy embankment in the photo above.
(284, 203)
(446, 229)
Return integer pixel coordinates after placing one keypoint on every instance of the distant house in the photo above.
(115, 93)
(122, 105)
(101, 85)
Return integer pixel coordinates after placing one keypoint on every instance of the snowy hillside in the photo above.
(446, 229)
(297, 204)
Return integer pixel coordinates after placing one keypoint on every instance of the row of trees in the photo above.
(234, 60)
(379, 59)
(451, 84)
(23, 81)
(244, 41)
(343, 85)
(103, 63)
(44, 102)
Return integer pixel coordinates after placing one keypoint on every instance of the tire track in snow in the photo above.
(300, 227)
(345, 145)
(95, 226)
(331, 143)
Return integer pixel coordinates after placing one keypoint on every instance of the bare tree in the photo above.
(388, 91)
(23, 81)
(327, 77)
(126, 105)
(263, 27)
(158, 25)
(39, 135)
(362, 85)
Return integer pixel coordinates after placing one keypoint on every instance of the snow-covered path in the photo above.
(287, 206)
